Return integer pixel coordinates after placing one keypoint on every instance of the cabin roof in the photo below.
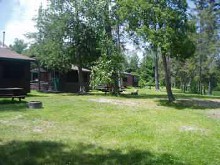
(6, 53)
(130, 74)
(73, 67)
(36, 70)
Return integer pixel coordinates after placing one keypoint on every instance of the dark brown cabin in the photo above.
(55, 81)
(14, 70)
(129, 79)
(70, 82)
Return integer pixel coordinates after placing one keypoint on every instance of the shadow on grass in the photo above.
(164, 96)
(8, 105)
(45, 152)
(191, 104)
(100, 94)
(189, 95)
(37, 95)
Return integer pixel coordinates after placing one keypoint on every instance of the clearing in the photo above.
(99, 129)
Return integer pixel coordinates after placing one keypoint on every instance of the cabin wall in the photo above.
(129, 80)
(45, 78)
(70, 83)
(15, 73)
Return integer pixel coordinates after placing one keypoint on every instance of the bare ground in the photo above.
(214, 113)
(212, 106)
(116, 102)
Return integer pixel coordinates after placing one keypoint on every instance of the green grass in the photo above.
(99, 129)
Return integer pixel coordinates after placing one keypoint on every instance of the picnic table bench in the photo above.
(108, 89)
(12, 93)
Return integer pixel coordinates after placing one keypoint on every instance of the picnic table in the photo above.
(12, 93)
(108, 89)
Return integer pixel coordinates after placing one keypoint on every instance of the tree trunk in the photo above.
(200, 78)
(116, 86)
(204, 92)
(174, 82)
(170, 96)
(156, 72)
(210, 86)
(80, 76)
(39, 76)
(184, 87)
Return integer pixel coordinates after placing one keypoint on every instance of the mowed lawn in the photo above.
(99, 129)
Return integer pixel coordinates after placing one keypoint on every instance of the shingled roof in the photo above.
(6, 53)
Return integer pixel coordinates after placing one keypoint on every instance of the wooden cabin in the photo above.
(55, 81)
(69, 82)
(129, 79)
(14, 70)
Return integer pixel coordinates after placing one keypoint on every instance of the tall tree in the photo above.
(65, 37)
(108, 24)
(133, 62)
(207, 17)
(170, 19)
(146, 71)
(156, 70)
(18, 46)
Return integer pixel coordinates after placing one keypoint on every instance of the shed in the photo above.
(14, 70)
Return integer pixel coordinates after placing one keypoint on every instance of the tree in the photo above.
(146, 71)
(156, 69)
(65, 37)
(207, 39)
(107, 70)
(18, 46)
(170, 36)
(156, 54)
(132, 63)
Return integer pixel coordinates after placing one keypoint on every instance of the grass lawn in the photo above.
(99, 129)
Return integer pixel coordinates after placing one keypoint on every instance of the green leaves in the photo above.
(106, 69)
(157, 22)
(65, 36)
(102, 72)
(19, 46)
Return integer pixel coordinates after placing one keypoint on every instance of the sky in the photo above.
(16, 18)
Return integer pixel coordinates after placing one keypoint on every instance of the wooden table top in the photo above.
(8, 89)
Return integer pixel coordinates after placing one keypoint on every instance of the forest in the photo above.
(179, 42)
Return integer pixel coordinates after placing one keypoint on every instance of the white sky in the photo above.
(18, 21)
